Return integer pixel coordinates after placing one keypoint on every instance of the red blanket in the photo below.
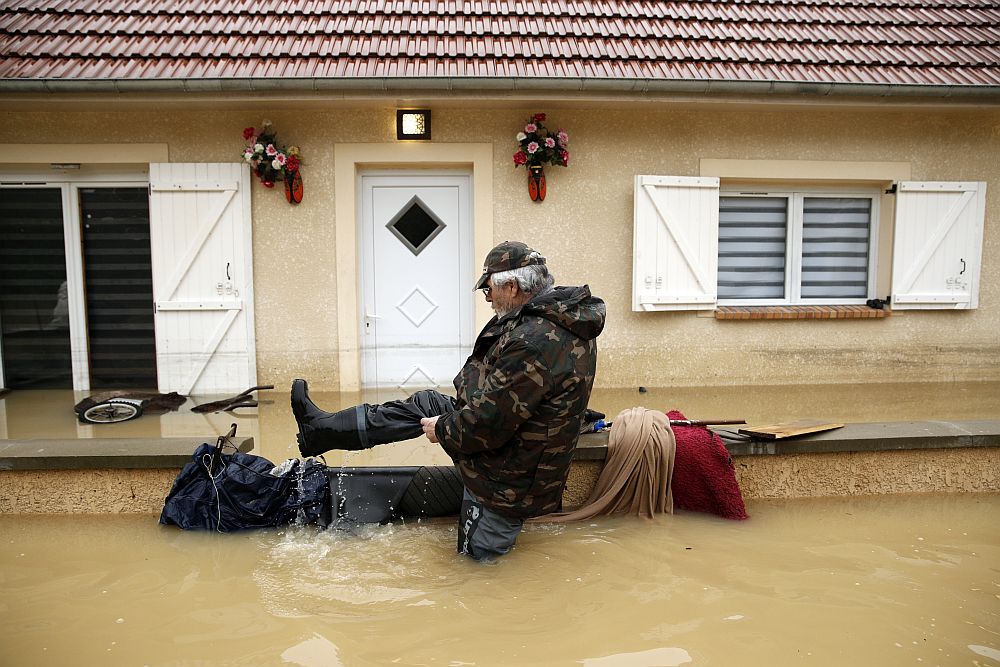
(704, 479)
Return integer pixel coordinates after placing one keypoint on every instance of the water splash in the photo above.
(300, 486)
(357, 566)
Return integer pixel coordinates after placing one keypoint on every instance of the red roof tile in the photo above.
(937, 42)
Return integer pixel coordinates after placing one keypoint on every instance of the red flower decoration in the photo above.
(269, 160)
(539, 146)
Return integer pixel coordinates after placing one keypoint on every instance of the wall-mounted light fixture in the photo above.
(413, 124)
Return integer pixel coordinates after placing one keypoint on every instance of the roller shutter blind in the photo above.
(836, 233)
(794, 248)
(119, 287)
(753, 237)
(34, 314)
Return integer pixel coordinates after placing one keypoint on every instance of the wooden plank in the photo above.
(788, 429)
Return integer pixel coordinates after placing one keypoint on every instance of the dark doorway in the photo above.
(36, 340)
(119, 286)
(34, 312)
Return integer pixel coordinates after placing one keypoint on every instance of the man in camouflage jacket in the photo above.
(520, 398)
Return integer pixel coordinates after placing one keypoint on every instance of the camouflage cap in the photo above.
(506, 256)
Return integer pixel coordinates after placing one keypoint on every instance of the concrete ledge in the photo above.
(104, 453)
(129, 453)
(592, 447)
(134, 475)
(878, 437)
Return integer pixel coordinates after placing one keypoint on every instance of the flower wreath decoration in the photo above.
(538, 146)
(271, 162)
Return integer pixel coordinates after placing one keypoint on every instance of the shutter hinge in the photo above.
(879, 304)
(892, 189)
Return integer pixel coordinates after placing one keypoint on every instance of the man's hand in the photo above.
(428, 424)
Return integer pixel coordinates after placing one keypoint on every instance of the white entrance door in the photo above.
(416, 317)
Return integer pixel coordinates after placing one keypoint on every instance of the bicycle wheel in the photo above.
(112, 411)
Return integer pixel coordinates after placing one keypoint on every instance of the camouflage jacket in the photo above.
(520, 401)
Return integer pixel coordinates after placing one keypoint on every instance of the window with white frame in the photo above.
(796, 247)
(698, 245)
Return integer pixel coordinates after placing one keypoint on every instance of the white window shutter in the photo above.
(200, 234)
(675, 243)
(938, 245)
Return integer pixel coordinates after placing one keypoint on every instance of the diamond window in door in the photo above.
(415, 225)
(417, 307)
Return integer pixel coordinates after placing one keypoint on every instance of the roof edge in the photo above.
(431, 85)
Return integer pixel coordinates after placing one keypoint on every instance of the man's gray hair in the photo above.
(533, 279)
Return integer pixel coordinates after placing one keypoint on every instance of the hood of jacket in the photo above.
(572, 308)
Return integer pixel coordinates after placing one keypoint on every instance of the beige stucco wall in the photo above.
(869, 473)
(784, 476)
(585, 225)
(84, 491)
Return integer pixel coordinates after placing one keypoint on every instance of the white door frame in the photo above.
(367, 249)
(349, 159)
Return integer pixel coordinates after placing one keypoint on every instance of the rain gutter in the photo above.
(451, 85)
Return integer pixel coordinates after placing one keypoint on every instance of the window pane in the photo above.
(752, 233)
(119, 280)
(34, 310)
(835, 233)
(415, 225)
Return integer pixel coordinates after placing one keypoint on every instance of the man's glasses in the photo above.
(486, 290)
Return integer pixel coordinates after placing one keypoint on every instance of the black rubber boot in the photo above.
(365, 425)
(321, 431)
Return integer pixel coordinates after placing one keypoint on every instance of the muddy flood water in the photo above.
(905, 580)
